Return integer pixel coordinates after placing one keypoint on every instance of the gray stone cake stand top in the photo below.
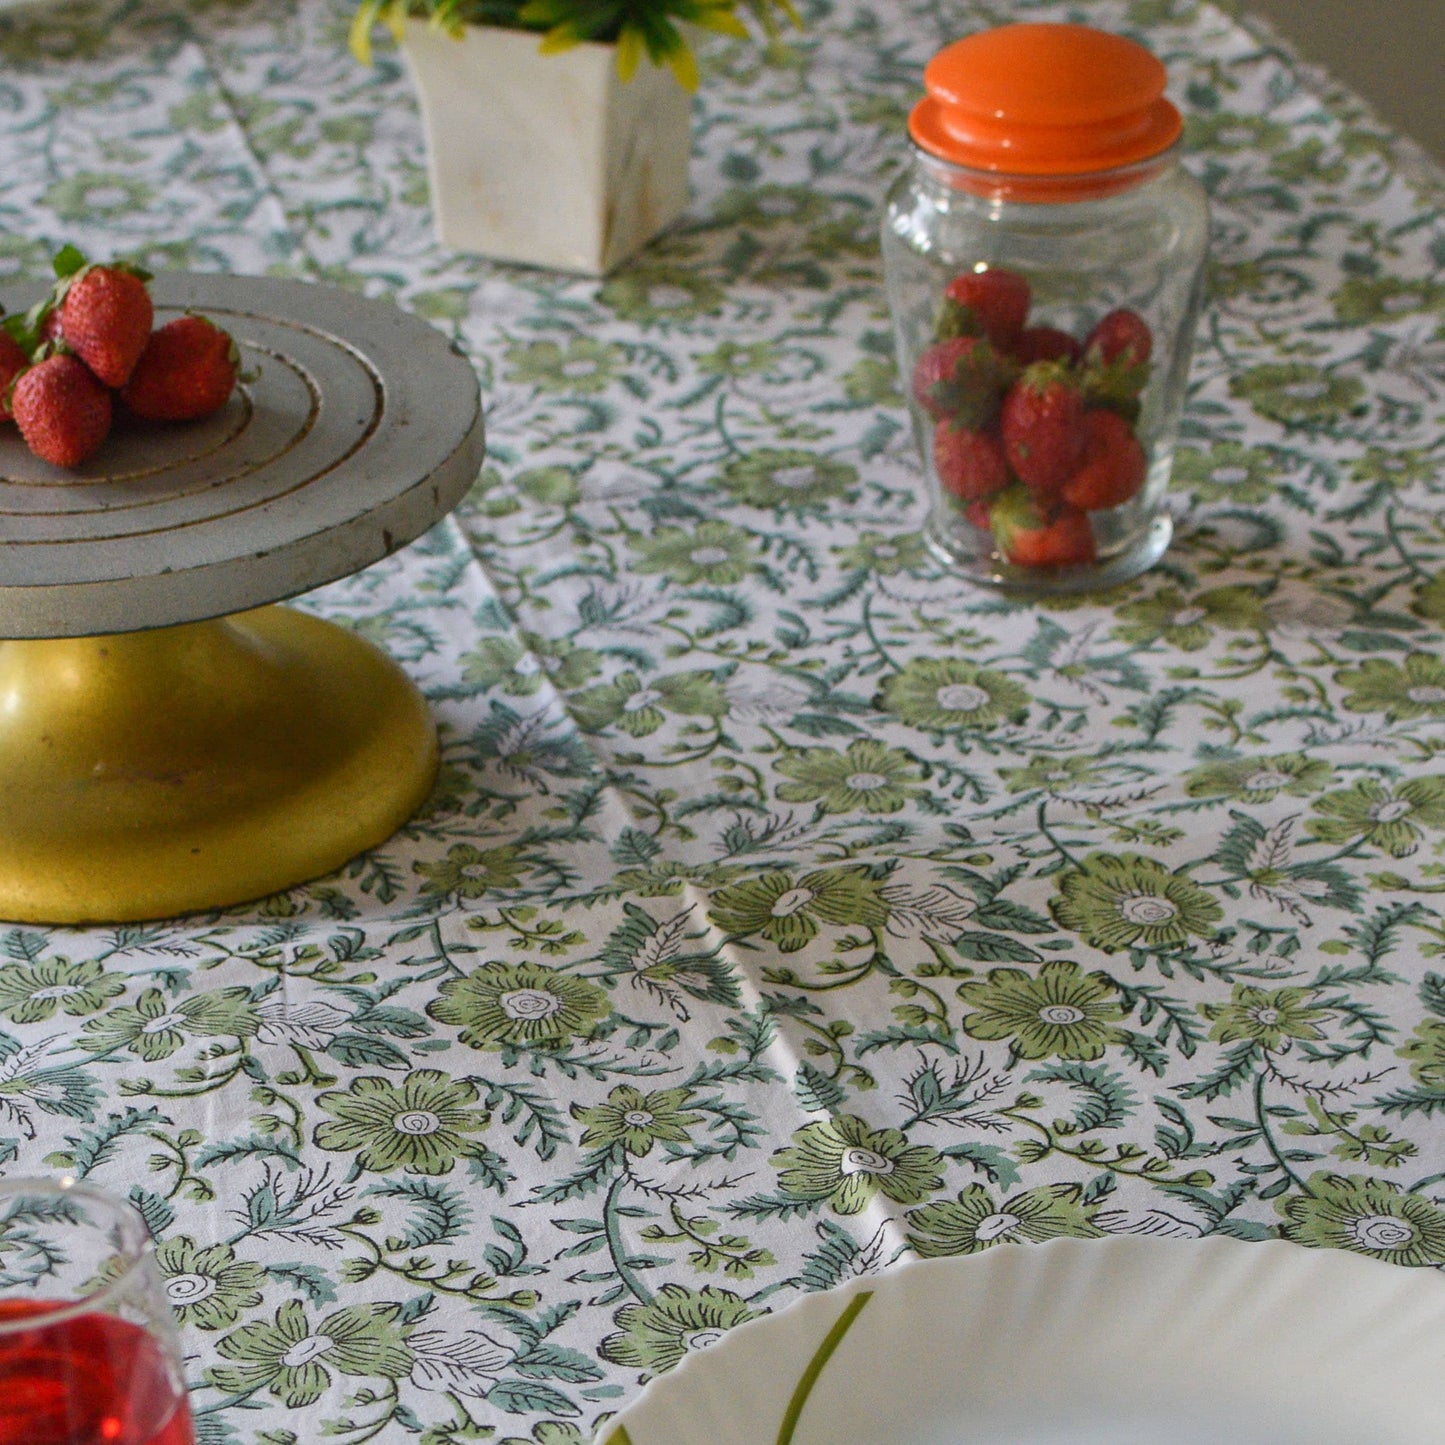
(362, 428)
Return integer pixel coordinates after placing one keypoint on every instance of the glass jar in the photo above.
(1043, 257)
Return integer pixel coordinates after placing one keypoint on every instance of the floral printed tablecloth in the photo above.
(784, 908)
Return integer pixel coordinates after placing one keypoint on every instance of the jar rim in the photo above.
(994, 183)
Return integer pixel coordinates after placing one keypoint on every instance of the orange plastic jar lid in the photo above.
(1044, 100)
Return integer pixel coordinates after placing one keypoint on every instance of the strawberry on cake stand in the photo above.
(169, 740)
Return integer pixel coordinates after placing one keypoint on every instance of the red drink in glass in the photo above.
(88, 1354)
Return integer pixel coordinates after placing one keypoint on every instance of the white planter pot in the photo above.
(547, 159)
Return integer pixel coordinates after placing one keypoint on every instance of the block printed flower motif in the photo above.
(1061, 1012)
(657, 1336)
(289, 1358)
(1118, 901)
(974, 1221)
(939, 694)
(845, 1164)
(1259, 780)
(518, 1005)
(1414, 689)
(636, 1120)
(471, 872)
(1271, 1018)
(639, 708)
(419, 1125)
(154, 1027)
(207, 1286)
(1365, 1216)
(869, 777)
(1189, 623)
(1391, 819)
(787, 477)
(32, 993)
(786, 908)
(713, 553)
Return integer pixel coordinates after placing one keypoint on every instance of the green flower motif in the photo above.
(1125, 901)
(1269, 1018)
(870, 777)
(1189, 623)
(844, 1163)
(419, 1125)
(155, 1026)
(95, 197)
(666, 879)
(1257, 780)
(30, 993)
(1390, 819)
(872, 381)
(1229, 131)
(1060, 1013)
(582, 366)
(772, 477)
(520, 665)
(636, 1120)
(471, 872)
(787, 911)
(1297, 393)
(639, 710)
(715, 553)
(208, 1287)
(519, 1005)
(1052, 773)
(1365, 1216)
(1227, 472)
(737, 358)
(1429, 600)
(1402, 468)
(1426, 1051)
(657, 1336)
(974, 1221)
(289, 1358)
(1365, 299)
(549, 486)
(649, 294)
(1263, 285)
(1414, 689)
(884, 555)
(937, 694)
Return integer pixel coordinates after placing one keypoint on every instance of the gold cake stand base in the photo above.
(149, 774)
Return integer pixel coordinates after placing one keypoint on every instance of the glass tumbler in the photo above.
(88, 1350)
(1043, 255)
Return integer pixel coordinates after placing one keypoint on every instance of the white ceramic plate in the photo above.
(1125, 1341)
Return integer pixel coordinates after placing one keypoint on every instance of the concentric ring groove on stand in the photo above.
(361, 428)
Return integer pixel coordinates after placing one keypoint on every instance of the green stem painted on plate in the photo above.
(821, 1356)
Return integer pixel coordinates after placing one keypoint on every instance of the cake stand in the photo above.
(169, 741)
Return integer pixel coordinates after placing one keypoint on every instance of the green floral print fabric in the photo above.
(785, 908)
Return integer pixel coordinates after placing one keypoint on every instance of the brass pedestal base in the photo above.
(148, 774)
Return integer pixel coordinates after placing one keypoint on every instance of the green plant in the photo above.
(638, 27)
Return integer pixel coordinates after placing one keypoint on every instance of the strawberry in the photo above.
(13, 361)
(1043, 426)
(963, 379)
(105, 317)
(1121, 335)
(977, 513)
(187, 370)
(1033, 536)
(1114, 464)
(970, 464)
(1046, 343)
(62, 410)
(992, 301)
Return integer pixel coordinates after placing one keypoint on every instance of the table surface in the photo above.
(784, 907)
